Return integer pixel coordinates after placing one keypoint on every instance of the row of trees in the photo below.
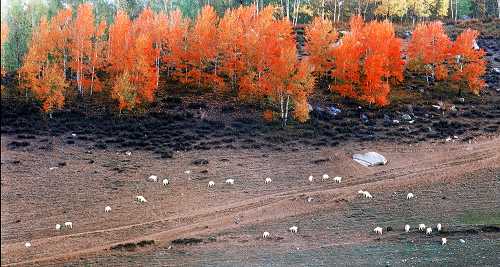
(22, 16)
(368, 59)
(248, 52)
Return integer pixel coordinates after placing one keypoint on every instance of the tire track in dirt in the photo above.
(216, 219)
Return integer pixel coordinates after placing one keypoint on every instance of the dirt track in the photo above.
(35, 198)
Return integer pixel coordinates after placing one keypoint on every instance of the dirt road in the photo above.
(450, 181)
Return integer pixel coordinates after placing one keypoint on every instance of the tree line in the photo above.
(250, 52)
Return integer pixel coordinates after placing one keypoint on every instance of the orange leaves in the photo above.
(52, 88)
(469, 64)
(134, 55)
(363, 68)
(432, 52)
(81, 46)
(321, 37)
(429, 49)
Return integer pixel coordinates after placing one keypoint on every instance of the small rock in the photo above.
(406, 117)
(200, 162)
(462, 241)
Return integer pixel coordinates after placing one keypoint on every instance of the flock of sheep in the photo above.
(268, 180)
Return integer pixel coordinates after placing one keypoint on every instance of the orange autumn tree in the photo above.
(41, 70)
(120, 59)
(271, 65)
(81, 46)
(97, 59)
(233, 32)
(176, 48)
(60, 28)
(133, 56)
(429, 50)
(320, 41)
(468, 64)
(364, 69)
(145, 55)
(202, 53)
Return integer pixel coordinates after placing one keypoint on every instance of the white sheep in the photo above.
(211, 183)
(230, 181)
(325, 176)
(107, 209)
(187, 172)
(311, 178)
(462, 241)
(443, 241)
(68, 225)
(407, 228)
(268, 180)
(266, 235)
(310, 199)
(439, 227)
(293, 229)
(153, 178)
(410, 196)
(378, 230)
(27, 244)
(421, 227)
(367, 194)
(141, 199)
(128, 153)
(58, 227)
(165, 182)
(428, 231)
(337, 179)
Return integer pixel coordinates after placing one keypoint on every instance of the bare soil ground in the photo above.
(456, 184)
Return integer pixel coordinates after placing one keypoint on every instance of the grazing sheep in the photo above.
(107, 209)
(268, 180)
(439, 227)
(325, 176)
(310, 199)
(428, 231)
(443, 241)
(367, 194)
(421, 227)
(27, 244)
(153, 178)
(58, 227)
(165, 182)
(410, 196)
(230, 181)
(73, 134)
(128, 153)
(211, 183)
(293, 229)
(337, 179)
(378, 230)
(68, 225)
(141, 199)
(187, 172)
(266, 235)
(311, 178)
(407, 228)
